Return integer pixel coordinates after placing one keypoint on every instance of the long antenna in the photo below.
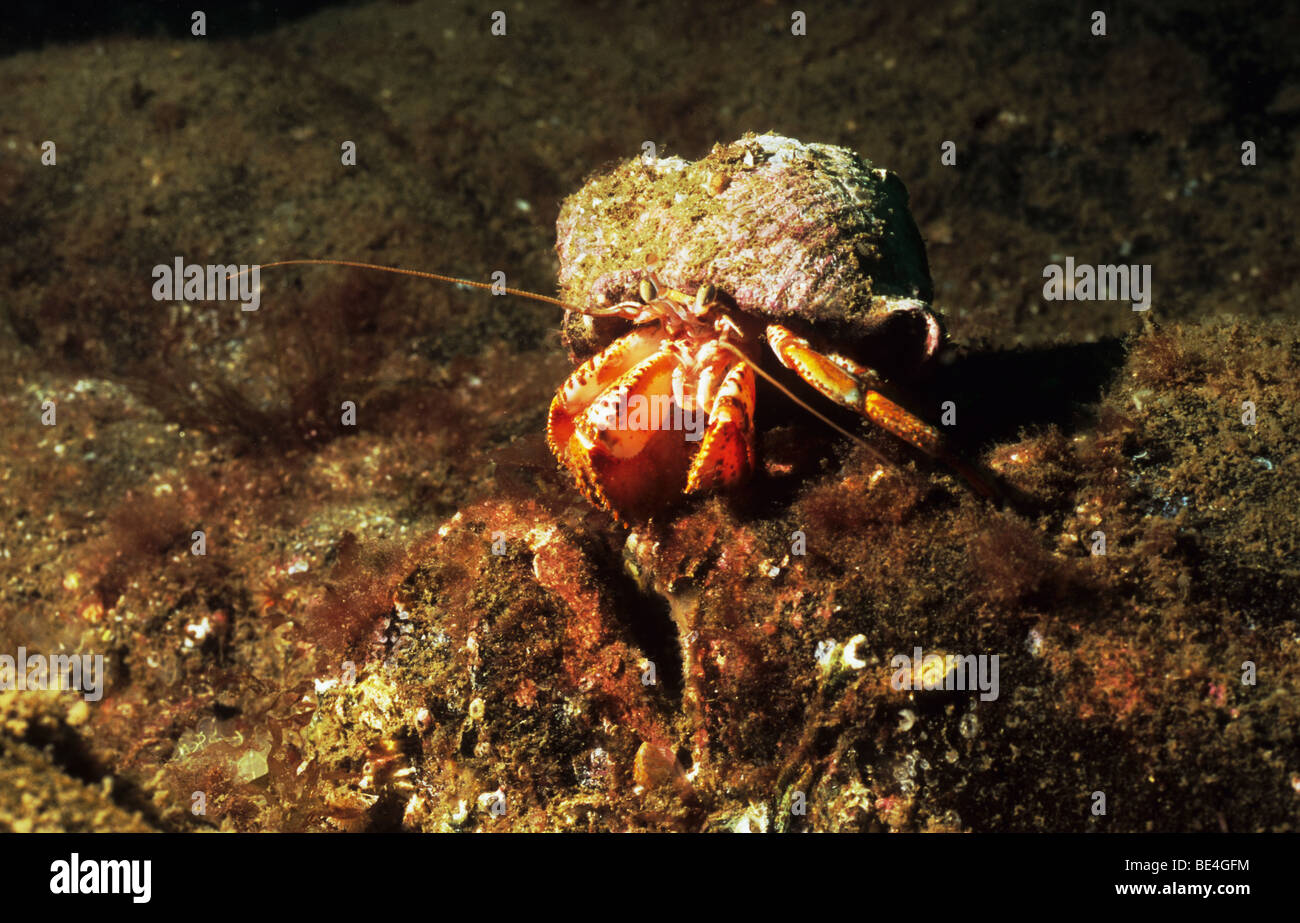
(420, 274)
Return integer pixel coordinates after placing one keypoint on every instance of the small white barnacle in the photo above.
(852, 659)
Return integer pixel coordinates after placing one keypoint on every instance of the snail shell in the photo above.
(811, 235)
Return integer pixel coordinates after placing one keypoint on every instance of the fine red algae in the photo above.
(773, 699)
(416, 623)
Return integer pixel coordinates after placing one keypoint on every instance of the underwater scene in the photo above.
(664, 417)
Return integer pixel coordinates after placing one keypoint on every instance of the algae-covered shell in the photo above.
(806, 233)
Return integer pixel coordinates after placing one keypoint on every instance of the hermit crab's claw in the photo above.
(853, 385)
(619, 462)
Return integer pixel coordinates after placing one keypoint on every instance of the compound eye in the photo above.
(705, 297)
(649, 292)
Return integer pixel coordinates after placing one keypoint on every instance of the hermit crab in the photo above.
(677, 277)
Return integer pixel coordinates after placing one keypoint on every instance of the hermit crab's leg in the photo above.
(850, 385)
(726, 455)
(853, 386)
